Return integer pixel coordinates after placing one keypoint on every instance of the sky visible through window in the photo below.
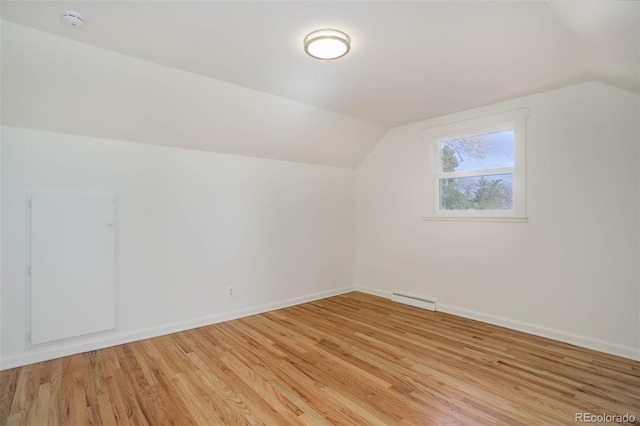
(497, 152)
(482, 154)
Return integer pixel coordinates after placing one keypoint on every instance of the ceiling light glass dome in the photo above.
(327, 44)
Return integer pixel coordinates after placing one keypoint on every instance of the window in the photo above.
(476, 169)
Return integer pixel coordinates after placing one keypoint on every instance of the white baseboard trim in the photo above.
(373, 291)
(103, 341)
(549, 333)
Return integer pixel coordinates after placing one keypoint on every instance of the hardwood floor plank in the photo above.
(353, 359)
(66, 391)
(123, 398)
(79, 412)
(9, 390)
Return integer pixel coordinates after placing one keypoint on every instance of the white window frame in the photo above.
(432, 136)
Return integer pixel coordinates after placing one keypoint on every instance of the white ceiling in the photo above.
(409, 60)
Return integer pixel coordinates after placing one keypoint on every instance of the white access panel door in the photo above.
(72, 263)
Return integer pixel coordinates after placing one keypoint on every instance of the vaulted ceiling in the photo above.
(409, 61)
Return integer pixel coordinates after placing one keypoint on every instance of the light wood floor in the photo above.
(351, 359)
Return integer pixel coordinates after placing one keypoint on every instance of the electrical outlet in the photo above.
(230, 291)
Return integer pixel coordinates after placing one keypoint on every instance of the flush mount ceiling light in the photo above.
(327, 44)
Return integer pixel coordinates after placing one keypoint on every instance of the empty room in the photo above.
(320, 212)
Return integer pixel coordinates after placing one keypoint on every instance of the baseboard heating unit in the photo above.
(412, 300)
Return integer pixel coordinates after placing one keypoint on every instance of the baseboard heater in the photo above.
(417, 301)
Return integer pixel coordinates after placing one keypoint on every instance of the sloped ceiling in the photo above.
(232, 76)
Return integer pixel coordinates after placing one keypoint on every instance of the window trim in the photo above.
(431, 136)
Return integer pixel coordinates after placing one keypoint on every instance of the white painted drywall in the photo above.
(1, 183)
(190, 225)
(570, 272)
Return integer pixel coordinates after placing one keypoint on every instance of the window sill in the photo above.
(477, 218)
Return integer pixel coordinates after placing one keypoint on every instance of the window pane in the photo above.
(481, 152)
(492, 192)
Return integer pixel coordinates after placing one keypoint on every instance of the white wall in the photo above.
(570, 272)
(190, 225)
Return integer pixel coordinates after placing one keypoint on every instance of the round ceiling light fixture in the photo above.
(327, 44)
